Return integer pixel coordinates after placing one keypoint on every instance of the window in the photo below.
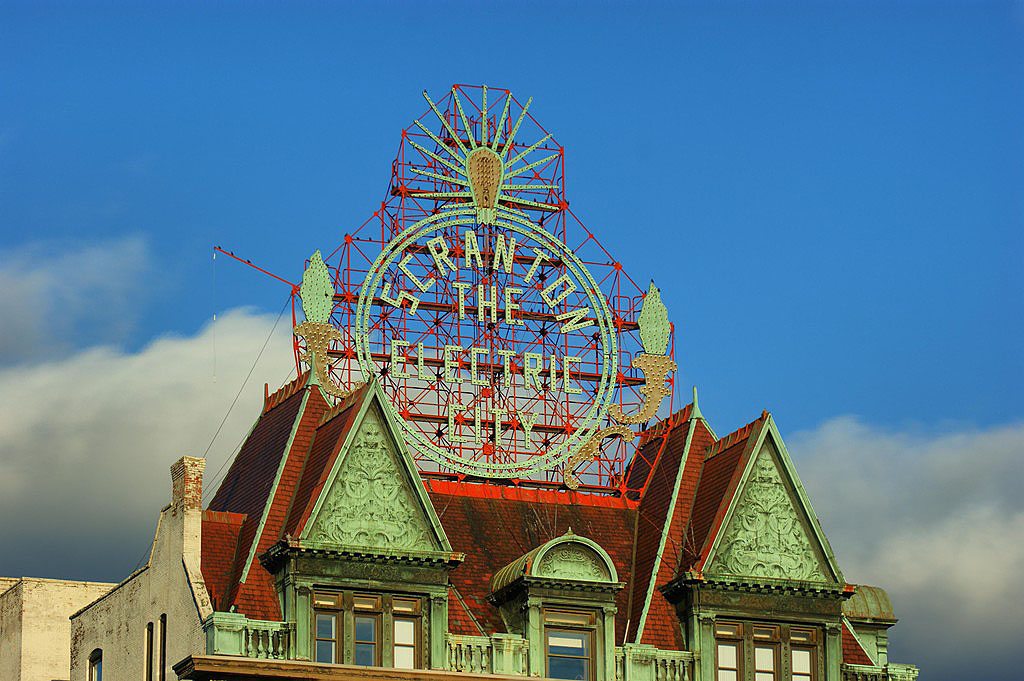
(386, 630)
(728, 662)
(327, 637)
(163, 647)
(149, 651)
(729, 653)
(740, 644)
(764, 663)
(803, 664)
(568, 642)
(367, 635)
(802, 653)
(96, 665)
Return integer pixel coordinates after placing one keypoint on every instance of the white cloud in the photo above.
(48, 294)
(87, 440)
(937, 519)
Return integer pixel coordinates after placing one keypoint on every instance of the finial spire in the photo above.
(695, 412)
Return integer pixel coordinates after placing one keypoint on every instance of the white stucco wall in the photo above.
(35, 633)
(170, 584)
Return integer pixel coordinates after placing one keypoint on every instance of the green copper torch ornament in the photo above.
(653, 321)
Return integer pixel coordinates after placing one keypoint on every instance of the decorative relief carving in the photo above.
(766, 537)
(369, 503)
(572, 561)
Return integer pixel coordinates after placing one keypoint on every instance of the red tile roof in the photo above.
(494, 531)
(723, 466)
(493, 524)
(248, 489)
(220, 538)
(331, 433)
(661, 628)
(852, 651)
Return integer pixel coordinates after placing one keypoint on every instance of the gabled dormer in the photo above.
(362, 567)
(759, 592)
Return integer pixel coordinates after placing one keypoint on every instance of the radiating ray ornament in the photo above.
(656, 365)
(481, 169)
(317, 294)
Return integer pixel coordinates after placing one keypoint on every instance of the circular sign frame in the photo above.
(513, 222)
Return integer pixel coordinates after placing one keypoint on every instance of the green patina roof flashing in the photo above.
(869, 603)
(569, 556)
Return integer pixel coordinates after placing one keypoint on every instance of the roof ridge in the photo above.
(274, 399)
(340, 407)
(735, 436)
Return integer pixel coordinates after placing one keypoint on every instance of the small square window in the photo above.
(801, 635)
(405, 605)
(766, 633)
(732, 629)
(326, 600)
(363, 602)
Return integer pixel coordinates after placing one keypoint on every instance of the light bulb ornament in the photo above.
(317, 294)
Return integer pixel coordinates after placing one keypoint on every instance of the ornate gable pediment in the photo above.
(370, 501)
(767, 534)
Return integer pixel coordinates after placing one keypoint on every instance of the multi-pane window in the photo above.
(568, 637)
(326, 637)
(729, 651)
(747, 651)
(385, 629)
(367, 639)
(802, 653)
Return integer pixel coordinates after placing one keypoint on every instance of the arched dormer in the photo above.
(569, 557)
(561, 597)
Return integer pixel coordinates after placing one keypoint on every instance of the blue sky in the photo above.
(829, 194)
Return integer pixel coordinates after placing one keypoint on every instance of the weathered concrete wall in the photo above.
(10, 629)
(170, 584)
(35, 633)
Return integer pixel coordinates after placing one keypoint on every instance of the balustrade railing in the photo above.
(890, 672)
(497, 654)
(229, 633)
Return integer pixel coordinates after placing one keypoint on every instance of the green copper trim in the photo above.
(664, 533)
(695, 413)
(273, 488)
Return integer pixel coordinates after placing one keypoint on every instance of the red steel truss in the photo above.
(425, 404)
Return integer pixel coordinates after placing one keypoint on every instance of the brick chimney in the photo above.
(187, 483)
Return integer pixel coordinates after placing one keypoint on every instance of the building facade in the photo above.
(34, 627)
(476, 472)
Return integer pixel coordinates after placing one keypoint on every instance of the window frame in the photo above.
(349, 604)
(589, 628)
(96, 665)
(149, 651)
(337, 641)
(162, 669)
(781, 638)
